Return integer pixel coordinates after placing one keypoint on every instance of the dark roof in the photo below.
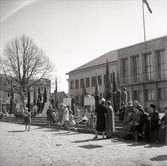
(111, 56)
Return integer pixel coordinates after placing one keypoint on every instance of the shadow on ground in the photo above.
(16, 131)
(90, 146)
(159, 158)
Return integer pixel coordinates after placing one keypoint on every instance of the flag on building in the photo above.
(114, 83)
(108, 88)
(83, 93)
(55, 94)
(28, 99)
(148, 6)
(34, 95)
(118, 80)
(96, 84)
(44, 96)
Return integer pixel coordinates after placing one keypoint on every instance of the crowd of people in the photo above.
(137, 121)
(142, 124)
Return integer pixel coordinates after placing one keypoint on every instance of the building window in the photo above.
(150, 95)
(71, 85)
(136, 69)
(93, 81)
(162, 66)
(81, 83)
(76, 84)
(137, 95)
(149, 66)
(125, 71)
(104, 79)
(99, 80)
(87, 82)
(163, 93)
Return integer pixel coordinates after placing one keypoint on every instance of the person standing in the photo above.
(117, 100)
(27, 118)
(49, 113)
(163, 128)
(65, 117)
(72, 103)
(101, 118)
(34, 110)
(110, 120)
(124, 96)
(60, 111)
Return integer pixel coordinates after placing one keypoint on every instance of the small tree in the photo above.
(24, 63)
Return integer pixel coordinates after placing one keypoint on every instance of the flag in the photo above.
(114, 83)
(108, 92)
(12, 97)
(96, 85)
(28, 99)
(55, 94)
(39, 95)
(34, 95)
(83, 93)
(149, 9)
(118, 80)
(44, 96)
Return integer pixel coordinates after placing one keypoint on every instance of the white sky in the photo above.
(73, 33)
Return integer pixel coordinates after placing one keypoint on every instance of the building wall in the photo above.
(153, 46)
(88, 73)
(5, 90)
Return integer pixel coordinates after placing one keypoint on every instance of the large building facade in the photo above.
(142, 70)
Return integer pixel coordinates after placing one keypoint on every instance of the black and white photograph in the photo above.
(83, 82)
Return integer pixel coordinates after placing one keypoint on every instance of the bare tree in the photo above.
(24, 63)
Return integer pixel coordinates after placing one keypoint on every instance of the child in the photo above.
(71, 121)
(27, 118)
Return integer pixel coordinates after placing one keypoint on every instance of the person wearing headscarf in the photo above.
(110, 120)
(101, 118)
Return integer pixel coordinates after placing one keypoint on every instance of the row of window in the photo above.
(162, 93)
(87, 82)
(137, 95)
(161, 64)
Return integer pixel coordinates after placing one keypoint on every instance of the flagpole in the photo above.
(144, 25)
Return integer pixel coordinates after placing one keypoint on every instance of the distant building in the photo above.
(142, 71)
(5, 91)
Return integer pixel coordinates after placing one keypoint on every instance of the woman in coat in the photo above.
(101, 118)
(110, 120)
(163, 128)
(49, 113)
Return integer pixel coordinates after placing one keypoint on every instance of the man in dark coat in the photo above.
(49, 114)
(117, 100)
(151, 123)
(72, 103)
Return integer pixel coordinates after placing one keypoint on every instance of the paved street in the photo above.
(54, 147)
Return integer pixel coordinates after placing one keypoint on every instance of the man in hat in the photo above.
(124, 96)
(151, 122)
